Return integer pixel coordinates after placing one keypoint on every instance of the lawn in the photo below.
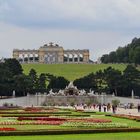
(106, 136)
(70, 71)
(64, 114)
(65, 124)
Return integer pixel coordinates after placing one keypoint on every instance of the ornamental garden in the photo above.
(51, 120)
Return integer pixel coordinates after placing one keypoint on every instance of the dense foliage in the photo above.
(128, 54)
(108, 80)
(57, 82)
(112, 81)
(14, 82)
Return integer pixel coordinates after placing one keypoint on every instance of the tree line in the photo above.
(127, 54)
(12, 79)
(108, 80)
(112, 81)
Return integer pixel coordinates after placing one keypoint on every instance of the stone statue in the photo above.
(51, 93)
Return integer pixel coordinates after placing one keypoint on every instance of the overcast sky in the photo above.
(98, 25)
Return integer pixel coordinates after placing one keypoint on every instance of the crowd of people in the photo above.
(105, 107)
(99, 107)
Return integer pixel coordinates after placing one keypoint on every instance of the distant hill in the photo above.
(69, 71)
(127, 54)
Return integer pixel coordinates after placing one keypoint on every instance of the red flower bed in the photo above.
(131, 117)
(94, 120)
(40, 118)
(33, 109)
(7, 129)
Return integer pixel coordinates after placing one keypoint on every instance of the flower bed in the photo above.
(131, 117)
(91, 120)
(40, 118)
(33, 123)
(34, 109)
(95, 120)
(94, 125)
(7, 129)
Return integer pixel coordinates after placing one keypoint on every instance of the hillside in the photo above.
(69, 71)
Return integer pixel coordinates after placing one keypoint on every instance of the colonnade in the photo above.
(28, 56)
(51, 54)
(76, 56)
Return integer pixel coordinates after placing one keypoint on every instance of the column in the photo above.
(86, 58)
(72, 57)
(67, 57)
(28, 58)
(33, 58)
(78, 58)
(23, 58)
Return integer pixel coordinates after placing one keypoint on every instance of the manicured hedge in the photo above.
(31, 112)
(74, 131)
(40, 118)
(44, 115)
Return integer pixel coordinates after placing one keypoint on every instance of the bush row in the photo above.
(43, 115)
(40, 118)
(31, 112)
(74, 131)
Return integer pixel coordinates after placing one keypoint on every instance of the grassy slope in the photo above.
(70, 71)
(112, 136)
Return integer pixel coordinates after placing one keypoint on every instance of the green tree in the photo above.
(42, 82)
(137, 55)
(86, 82)
(127, 54)
(6, 81)
(131, 77)
(113, 79)
(34, 78)
(112, 57)
(105, 58)
(23, 84)
(100, 81)
(57, 82)
(115, 102)
(13, 66)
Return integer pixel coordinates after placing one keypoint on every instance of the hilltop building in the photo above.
(51, 53)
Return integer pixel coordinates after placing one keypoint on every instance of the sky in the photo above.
(98, 25)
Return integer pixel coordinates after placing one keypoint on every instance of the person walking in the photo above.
(100, 106)
(114, 108)
(104, 107)
(138, 107)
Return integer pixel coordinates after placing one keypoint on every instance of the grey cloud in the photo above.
(79, 14)
(98, 25)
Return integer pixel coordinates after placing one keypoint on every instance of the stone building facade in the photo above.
(51, 53)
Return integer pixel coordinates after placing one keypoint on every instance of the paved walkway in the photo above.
(119, 110)
(122, 111)
(128, 111)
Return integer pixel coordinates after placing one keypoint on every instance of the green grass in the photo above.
(70, 71)
(111, 136)
(130, 123)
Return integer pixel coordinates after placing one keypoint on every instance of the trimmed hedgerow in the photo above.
(74, 131)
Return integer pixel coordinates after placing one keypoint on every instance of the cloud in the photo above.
(98, 42)
(98, 25)
(73, 14)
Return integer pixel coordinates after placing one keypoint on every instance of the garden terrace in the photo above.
(61, 121)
